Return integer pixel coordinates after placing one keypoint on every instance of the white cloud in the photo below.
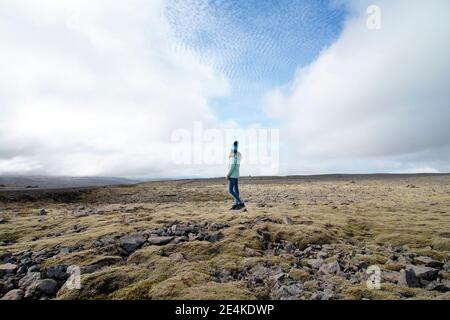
(376, 100)
(95, 88)
(98, 87)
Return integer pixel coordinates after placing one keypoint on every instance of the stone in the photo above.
(286, 292)
(214, 237)
(43, 212)
(48, 287)
(446, 267)
(428, 262)
(5, 256)
(438, 286)
(63, 251)
(307, 251)
(250, 252)
(28, 279)
(287, 220)
(8, 268)
(26, 262)
(58, 272)
(330, 268)
(33, 268)
(390, 276)
(177, 256)
(91, 268)
(15, 294)
(192, 236)
(180, 239)
(424, 273)
(408, 279)
(131, 243)
(159, 241)
(314, 263)
(21, 270)
(278, 276)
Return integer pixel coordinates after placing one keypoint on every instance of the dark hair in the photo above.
(235, 144)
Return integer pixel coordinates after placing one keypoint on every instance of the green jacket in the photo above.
(233, 167)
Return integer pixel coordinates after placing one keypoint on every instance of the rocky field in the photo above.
(299, 238)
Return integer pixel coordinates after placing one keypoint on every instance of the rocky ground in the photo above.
(299, 238)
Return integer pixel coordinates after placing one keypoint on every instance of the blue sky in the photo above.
(256, 44)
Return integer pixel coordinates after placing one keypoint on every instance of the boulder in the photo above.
(428, 262)
(131, 243)
(58, 272)
(5, 256)
(47, 287)
(390, 276)
(8, 268)
(33, 268)
(314, 263)
(408, 279)
(15, 294)
(438, 286)
(286, 292)
(214, 237)
(21, 270)
(28, 279)
(159, 241)
(330, 268)
(180, 239)
(424, 273)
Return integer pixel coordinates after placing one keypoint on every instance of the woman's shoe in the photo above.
(234, 207)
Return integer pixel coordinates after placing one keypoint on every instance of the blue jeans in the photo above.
(234, 190)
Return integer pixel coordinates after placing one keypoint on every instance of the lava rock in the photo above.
(58, 272)
(428, 262)
(177, 256)
(424, 273)
(33, 268)
(47, 287)
(28, 279)
(16, 294)
(131, 243)
(214, 237)
(5, 256)
(330, 268)
(408, 278)
(159, 241)
(438, 286)
(314, 263)
(8, 268)
(391, 276)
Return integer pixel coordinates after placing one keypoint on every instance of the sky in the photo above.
(160, 88)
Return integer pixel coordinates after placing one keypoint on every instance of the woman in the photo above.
(233, 176)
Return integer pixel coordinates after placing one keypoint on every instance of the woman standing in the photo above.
(233, 176)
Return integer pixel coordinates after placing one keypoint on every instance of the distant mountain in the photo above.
(46, 182)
